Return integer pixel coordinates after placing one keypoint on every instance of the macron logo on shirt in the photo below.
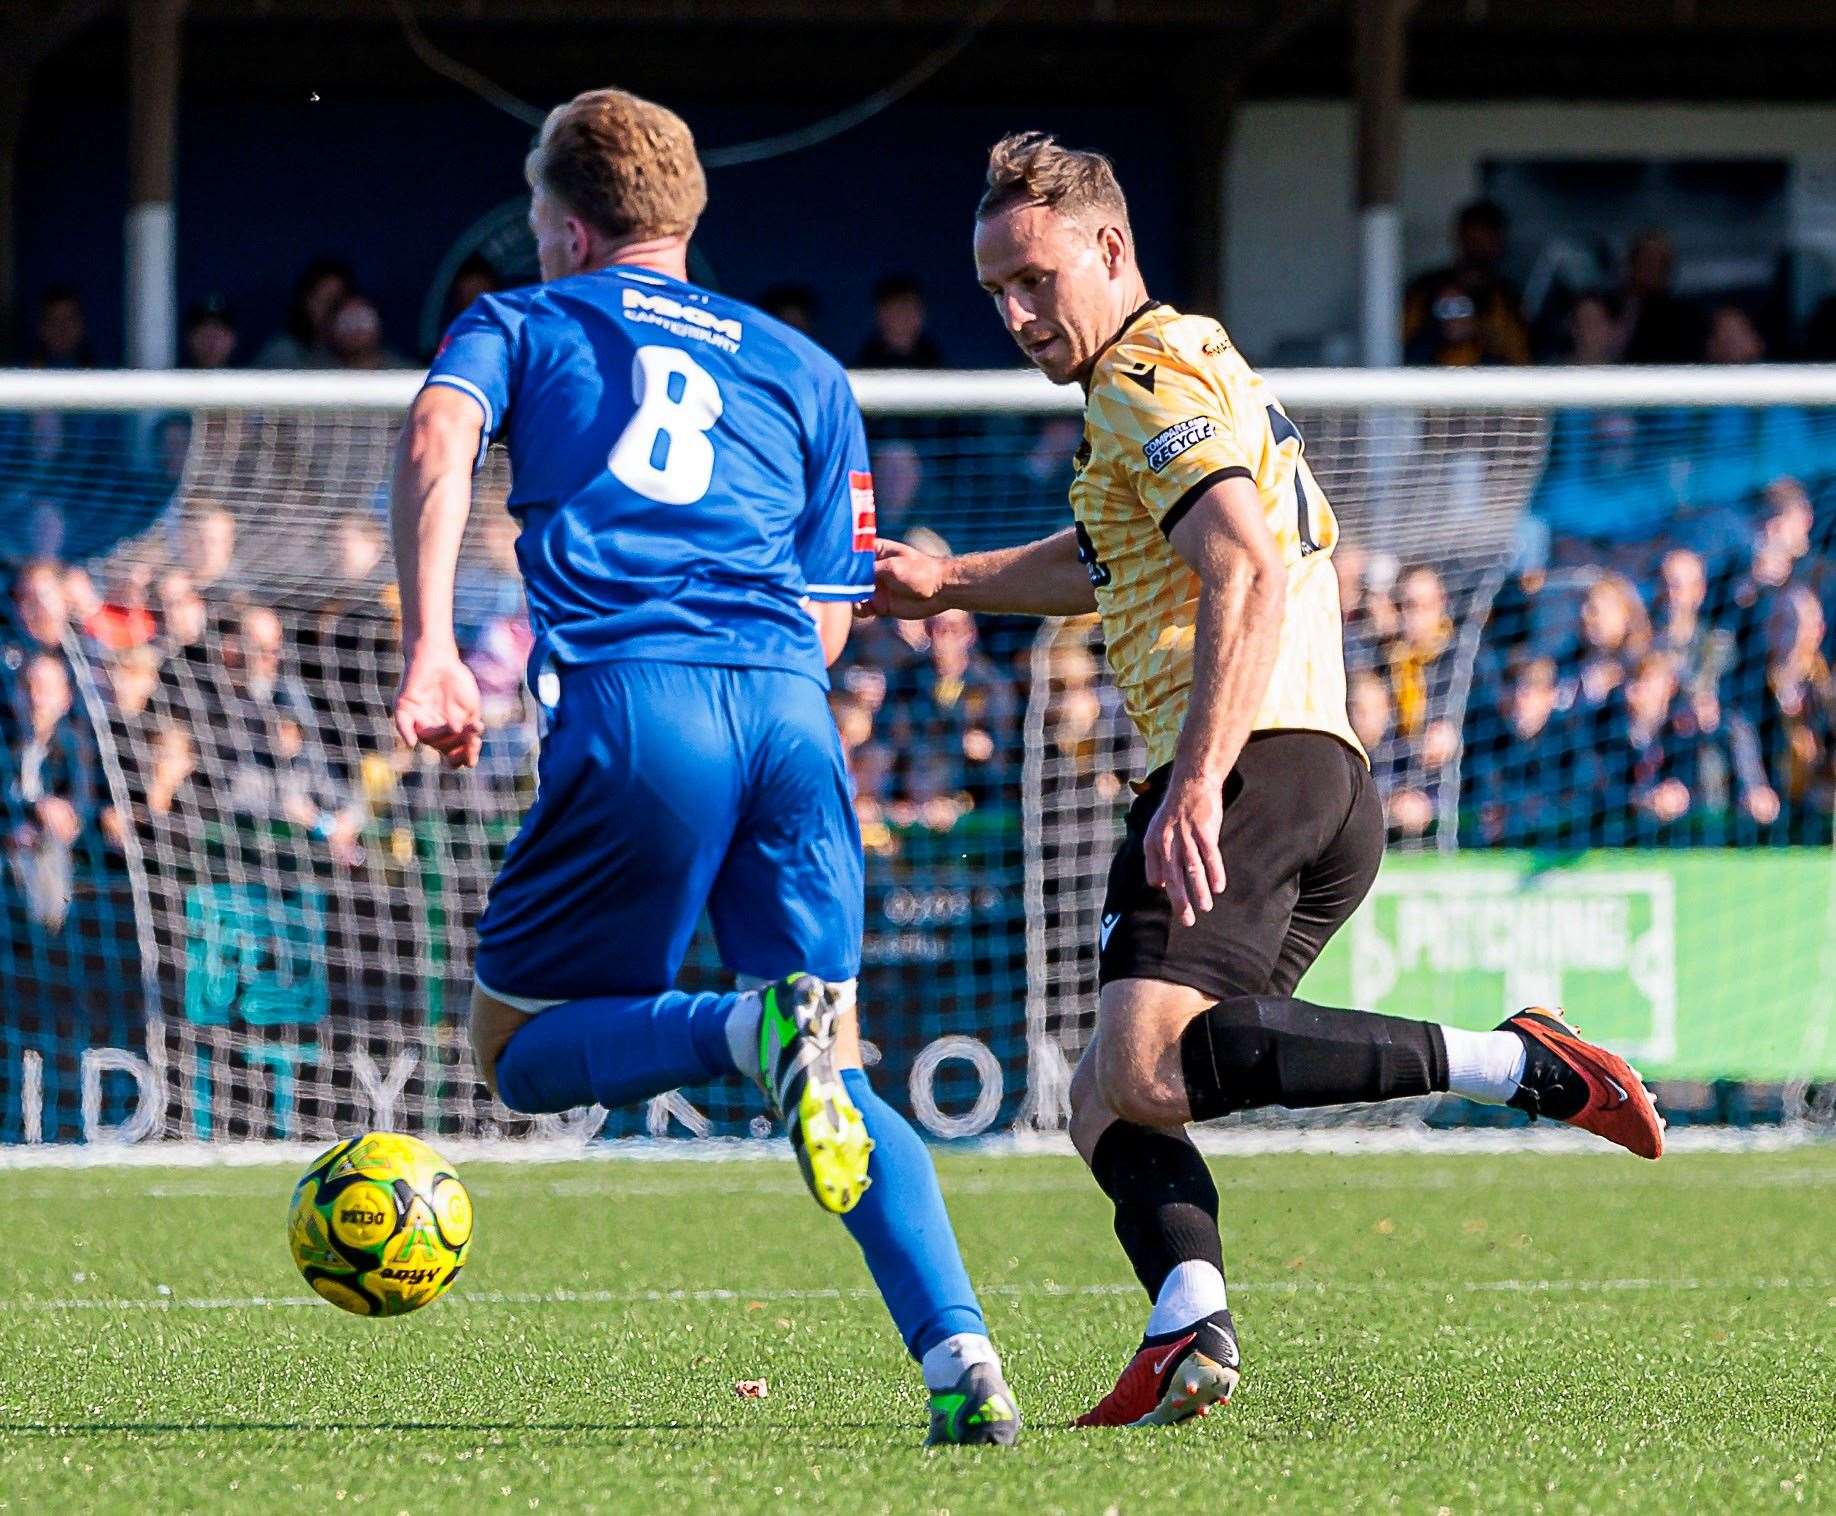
(866, 524)
(681, 320)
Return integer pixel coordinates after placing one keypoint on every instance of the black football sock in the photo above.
(1257, 1050)
(1166, 1205)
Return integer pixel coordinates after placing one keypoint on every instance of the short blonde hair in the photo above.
(625, 165)
(1031, 168)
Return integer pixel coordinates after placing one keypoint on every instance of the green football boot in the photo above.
(979, 1408)
(802, 1085)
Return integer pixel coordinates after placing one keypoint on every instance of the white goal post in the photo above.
(279, 949)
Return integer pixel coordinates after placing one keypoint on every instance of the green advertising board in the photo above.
(1698, 964)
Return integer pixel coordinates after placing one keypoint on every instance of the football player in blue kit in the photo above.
(691, 479)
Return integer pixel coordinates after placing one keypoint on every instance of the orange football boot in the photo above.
(1566, 1079)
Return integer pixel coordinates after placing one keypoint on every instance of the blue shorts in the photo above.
(666, 789)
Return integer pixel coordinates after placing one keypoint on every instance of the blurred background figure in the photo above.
(899, 338)
(305, 341)
(209, 337)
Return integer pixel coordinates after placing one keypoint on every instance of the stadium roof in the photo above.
(788, 49)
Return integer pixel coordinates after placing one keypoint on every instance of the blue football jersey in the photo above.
(685, 468)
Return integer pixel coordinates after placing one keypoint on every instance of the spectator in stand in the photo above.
(129, 690)
(184, 628)
(1408, 810)
(957, 723)
(82, 599)
(169, 813)
(39, 624)
(355, 336)
(1615, 637)
(1532, 779)
(1682, 631)
(1467, 313)
(209, 336)
(1421, 667)
(259, 685)
(793, 304)
(1780, 548)
(1659, 328)
(899, 339)
(51, 791)
(305, 343)
(305, 793)
(1074, 719)
(209, 551)
(869, 769)
(1365, 605)
(133, 681)
(1729, 769)
(62, 335)
(1647, 766)
(1797, 725)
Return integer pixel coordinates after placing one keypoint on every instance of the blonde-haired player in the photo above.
(1203, 540)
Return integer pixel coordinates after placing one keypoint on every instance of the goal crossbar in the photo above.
(983, 390)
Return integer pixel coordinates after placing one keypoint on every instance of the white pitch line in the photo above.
(688, 1296)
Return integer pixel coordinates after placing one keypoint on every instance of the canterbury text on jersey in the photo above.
(686, 469)
(1172, 410)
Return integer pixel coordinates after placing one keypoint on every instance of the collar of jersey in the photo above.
(1120, 333)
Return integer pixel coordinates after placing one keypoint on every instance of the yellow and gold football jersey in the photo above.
(1173, 409)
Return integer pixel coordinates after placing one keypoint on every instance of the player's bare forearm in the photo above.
(1043, 578)
(1235, 641)
(431, 498)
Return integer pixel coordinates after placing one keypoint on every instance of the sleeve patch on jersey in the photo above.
(1164, 447)
(866, 525)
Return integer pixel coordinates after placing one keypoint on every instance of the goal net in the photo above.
(1586, 635)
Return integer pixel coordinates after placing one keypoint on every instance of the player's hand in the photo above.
(907, 582)
(1182, 846)
(438, 706)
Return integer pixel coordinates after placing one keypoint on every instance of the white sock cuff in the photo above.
(1484, 1066)
(1193, 1291)
(950, 1359)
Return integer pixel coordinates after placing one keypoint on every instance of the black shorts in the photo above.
(1301, 841)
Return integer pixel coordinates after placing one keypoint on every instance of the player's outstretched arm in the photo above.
(438, 702)
(1242, 592)
(1043, 578)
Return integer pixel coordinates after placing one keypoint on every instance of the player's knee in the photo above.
(1140, 1084)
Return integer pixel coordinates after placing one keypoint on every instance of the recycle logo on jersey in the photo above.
(1162, 448)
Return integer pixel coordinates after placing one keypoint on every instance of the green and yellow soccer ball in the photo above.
(380, 1224)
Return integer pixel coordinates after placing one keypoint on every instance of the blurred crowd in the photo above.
(1594, 693)
(1467, 312)
(1650, 667)
(180, 709)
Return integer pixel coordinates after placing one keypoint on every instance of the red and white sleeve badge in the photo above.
(860, 492)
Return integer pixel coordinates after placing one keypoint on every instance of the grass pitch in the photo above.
(1527, 1333)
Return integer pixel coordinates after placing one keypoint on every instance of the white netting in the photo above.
(262, 927)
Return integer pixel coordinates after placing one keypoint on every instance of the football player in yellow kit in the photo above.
(1204, 542)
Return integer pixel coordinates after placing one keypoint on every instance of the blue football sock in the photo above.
(904, 1231)
(615, 1049)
